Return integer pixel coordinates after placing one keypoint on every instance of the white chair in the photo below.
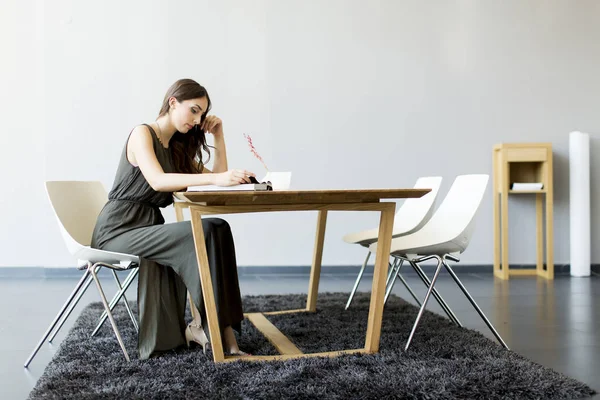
(76, 205)
(409, 218)
(446, 235)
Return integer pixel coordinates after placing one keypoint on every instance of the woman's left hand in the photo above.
(212, 124)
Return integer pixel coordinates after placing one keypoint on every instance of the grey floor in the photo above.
(554, 323)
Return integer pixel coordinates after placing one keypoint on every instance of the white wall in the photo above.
(346, 94)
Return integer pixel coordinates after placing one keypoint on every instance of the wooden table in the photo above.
(207, 203)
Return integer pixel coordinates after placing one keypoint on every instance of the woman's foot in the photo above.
(230, 344)
(195, 333)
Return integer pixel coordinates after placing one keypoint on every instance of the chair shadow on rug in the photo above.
(444, 361)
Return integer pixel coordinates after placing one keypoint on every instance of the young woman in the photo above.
(158, 159)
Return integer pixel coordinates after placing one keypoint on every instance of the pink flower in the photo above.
(253, 150)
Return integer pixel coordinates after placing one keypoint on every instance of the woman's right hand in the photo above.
(233, 177)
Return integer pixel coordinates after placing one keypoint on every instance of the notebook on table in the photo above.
(255, 185)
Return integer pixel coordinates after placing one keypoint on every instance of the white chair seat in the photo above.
(409, 218)
(411, 215)
(451, 227)
(87, 254)
(364, 238)
(418, 244)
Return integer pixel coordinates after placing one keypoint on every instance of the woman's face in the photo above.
(187, 114)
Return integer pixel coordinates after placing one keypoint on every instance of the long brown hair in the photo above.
(187, 148)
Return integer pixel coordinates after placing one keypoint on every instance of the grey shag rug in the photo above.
(443, 362)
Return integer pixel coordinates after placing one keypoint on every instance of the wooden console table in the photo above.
(523, 163)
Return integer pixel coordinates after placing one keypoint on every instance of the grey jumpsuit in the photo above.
(131, 222)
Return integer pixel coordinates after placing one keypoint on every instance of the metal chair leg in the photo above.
(392, 266)
(107, 308)
(391, 269)
(474, 304)
(437, 296)
(126, 283)
(422, 309)
(409, 289)
(72, 306)
(128, 280)
(358, 278)
(393, 274)
(135, 325)
(406, 285)
(58, 316)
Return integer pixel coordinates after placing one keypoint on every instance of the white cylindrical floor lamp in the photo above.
(579, 203)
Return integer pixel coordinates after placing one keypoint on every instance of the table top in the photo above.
(328, 196)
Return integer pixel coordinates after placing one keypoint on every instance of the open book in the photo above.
(254, 186)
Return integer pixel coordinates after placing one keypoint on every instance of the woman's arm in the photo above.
(213, 125)
(220, 164)
(142, 154)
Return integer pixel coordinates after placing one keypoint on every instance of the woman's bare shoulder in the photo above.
(143, 129)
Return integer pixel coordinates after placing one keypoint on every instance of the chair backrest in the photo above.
(454, 220)
(76, 205)
(415, 213)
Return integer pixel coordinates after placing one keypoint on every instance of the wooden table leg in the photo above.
(539, 233)
(505, 273)
(496, 182)
(207, 287)
(384, 239)
(178, 212)
(549, 221)
(179, 217)
(315, 271)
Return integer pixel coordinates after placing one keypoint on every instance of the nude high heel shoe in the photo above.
(238, 353)
(195, 333)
